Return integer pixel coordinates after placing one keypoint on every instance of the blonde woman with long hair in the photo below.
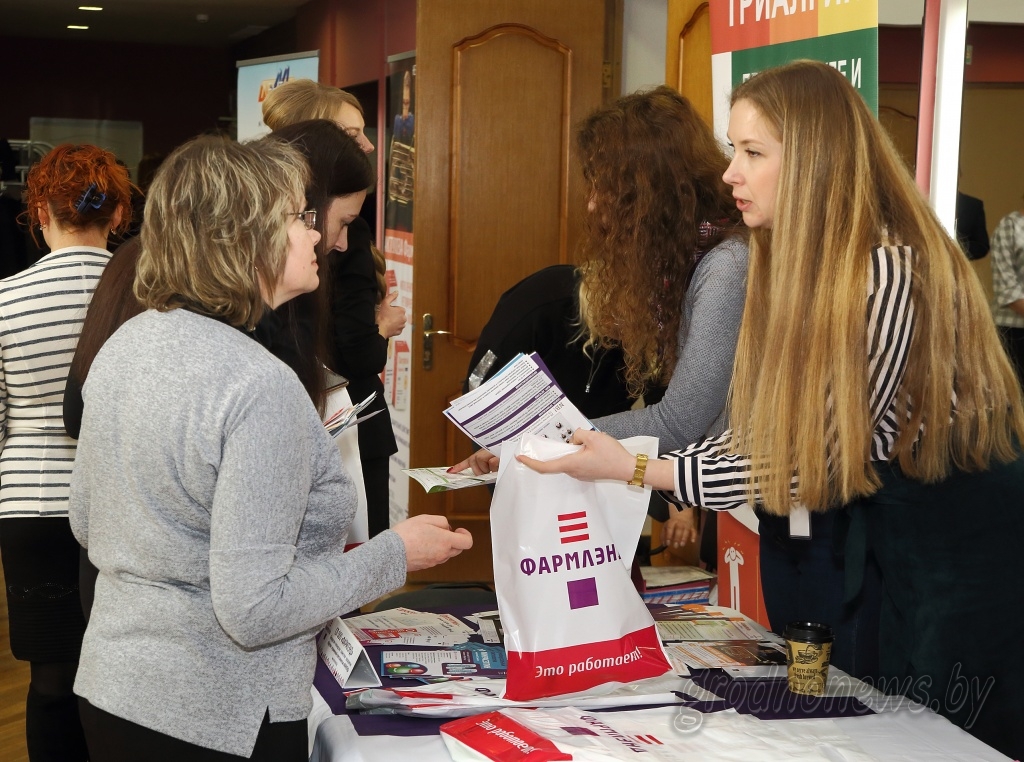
(868, 373)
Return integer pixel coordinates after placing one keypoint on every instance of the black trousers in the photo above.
(112, 739)
(376, 480)
(1013, 341)
(804, 580)
(951, 564)
(40, 558)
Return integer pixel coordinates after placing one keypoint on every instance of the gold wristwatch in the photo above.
(638, 472)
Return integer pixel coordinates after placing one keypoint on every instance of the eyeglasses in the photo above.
(308, 218)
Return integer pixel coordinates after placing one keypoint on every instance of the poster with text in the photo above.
(748, 36)
(258, 76)
(398, 187)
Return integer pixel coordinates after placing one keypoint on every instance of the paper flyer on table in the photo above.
(345, 657)
(437, 479)
(697, 622)
(478, 662)
(521, 398)
(749, 654)
(402, 626)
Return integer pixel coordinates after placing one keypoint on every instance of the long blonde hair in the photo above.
(842, 190)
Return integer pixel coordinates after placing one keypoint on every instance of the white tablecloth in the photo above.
(909, 733)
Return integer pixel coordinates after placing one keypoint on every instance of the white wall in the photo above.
(910, 12)
(644, 26)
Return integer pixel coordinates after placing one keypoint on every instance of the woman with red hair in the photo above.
(77, 196)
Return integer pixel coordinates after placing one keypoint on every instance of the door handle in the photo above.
(429, 332)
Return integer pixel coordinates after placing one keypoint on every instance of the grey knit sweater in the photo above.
(216, 508)
(694, 403)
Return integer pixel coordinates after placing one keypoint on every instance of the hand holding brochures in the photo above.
(521, 398)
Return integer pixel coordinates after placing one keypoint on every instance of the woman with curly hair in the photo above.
(868, 374)
(666, 263)
(77, 195)
(665, 271)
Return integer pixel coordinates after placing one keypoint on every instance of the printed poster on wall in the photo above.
(750, 35)
(258, 76)
(397, 186)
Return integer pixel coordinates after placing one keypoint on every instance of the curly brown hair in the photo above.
(654, 169)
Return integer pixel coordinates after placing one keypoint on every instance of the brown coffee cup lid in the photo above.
(808, 632)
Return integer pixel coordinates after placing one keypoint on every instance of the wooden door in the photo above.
(688, 53)
(500, 87)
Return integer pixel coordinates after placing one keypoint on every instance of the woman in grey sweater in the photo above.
(206, 490)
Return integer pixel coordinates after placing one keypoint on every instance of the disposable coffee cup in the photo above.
(808, 652)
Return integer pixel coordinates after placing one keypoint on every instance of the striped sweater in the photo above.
(709, 476)
(41, 314)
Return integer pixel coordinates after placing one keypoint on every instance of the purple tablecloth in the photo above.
(764, 699)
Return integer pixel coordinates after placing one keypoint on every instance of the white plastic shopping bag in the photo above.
(495, 737)
(562, 555)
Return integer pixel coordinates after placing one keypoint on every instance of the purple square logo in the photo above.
(582, 593)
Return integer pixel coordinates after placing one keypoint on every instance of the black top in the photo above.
(540, 314)
(358, 351)
(971, 231)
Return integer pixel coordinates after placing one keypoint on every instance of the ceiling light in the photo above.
(89, 8)
(77, 26)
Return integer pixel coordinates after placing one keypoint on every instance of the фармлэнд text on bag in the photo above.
(562, 555)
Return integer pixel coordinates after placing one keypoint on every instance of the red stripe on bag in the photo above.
(574, 538)
(502, 739)
(572, 516)
(649, 740)
(547, 673)
(573, 527)
(413, 693)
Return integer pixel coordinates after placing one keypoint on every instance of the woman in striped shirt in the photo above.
(869, 374)
(77, 195)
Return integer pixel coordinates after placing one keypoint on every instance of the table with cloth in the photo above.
(754, 720)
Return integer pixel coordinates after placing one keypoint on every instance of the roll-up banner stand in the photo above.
(750, 35)
(399, 141)
(258, 76)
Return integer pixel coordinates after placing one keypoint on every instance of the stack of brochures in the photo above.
(739, 658)
(703, 637)
(346, 416)
(414, 646)
(521, 398)
(676, 584)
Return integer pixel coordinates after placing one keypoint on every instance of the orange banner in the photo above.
(743, 24)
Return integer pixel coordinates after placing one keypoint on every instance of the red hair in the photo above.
(71, 174)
